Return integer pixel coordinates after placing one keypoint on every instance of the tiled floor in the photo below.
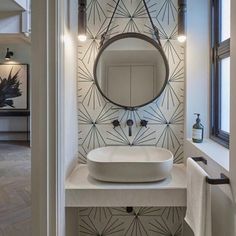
(15, 199)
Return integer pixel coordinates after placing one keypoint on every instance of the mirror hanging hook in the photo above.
(103, 36)
(155, 29)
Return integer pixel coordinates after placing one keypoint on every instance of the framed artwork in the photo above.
(14, 89)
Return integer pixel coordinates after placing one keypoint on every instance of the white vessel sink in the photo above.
(129, 164)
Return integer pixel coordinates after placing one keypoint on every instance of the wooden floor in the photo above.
(15, 197)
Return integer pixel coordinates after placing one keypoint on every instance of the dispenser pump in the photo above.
(198, 117)
(198, 130)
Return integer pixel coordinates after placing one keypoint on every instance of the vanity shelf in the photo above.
(83, 191)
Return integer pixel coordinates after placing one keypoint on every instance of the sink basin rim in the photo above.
(135, 164)
(91, 157)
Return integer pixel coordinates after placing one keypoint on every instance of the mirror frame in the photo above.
(131, 35)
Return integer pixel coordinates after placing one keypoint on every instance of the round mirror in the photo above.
(131, 70)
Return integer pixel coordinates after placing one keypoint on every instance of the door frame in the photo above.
(47, 176)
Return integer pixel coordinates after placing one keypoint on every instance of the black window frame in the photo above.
(219, 51)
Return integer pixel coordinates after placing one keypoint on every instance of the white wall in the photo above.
(233, 102)
(15, 21)
(197, 65)
(197, 100)
(22, 54)
(23, 3)
(69, 99)
(10, 22)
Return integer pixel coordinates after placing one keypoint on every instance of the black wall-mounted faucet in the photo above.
(143, 123)
(130, 124)
(115, 123)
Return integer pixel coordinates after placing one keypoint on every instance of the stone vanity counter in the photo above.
(83, 191)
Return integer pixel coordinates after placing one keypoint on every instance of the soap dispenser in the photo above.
(198, 129)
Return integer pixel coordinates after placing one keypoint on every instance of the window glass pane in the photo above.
(225, 94)
(225, 19)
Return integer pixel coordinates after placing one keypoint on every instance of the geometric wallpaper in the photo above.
(165, 115)
(142, 221)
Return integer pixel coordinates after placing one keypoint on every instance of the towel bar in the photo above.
(202, 159)
(223, 178)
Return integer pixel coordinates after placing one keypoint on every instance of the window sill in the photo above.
(214, 151)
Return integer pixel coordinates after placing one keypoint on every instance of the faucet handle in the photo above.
(143, 123)
(115, 123)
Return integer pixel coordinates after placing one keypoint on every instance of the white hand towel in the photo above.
(198, 214)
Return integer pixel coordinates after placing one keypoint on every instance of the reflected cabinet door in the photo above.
(142, 77)
(118, 84)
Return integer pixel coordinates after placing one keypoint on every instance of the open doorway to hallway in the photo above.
(15, 194)
(15, 118)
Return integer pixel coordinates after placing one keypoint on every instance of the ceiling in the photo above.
(9, 5)
(14, 38)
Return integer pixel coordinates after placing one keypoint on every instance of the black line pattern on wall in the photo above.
(82, 154)
(143, 211)
(167, 12)
(114, 227)
(169, 98)
(135, 9)
(136, 227)
(91, 46)
(144, 136)
(84, 75)
(127, 114)
(132, 17)
(171, 52)
(178, 154)
(93, 138)
(143, 221)
(169, 33)
(154, 114)
(173, 93)
(95, 11)
(165, 115)
(118, 137)
(168, 138)
(93, 98)
(159, 227)
(177, 74)
(108, 113)
(84, 116)
(100, 213)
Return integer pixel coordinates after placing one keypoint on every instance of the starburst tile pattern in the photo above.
(164, 115)
(142, 221)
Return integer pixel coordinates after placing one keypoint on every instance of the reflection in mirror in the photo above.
(131, 71)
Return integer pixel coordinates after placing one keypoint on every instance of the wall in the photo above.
(22, 54)
(197, 66)
(70, 84)
(68, 104)
(165, 114)
(233, 103)
(230, 208)
(10, 22)
(197, 99)
(223, 207)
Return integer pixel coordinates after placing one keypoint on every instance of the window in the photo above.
(220, 71)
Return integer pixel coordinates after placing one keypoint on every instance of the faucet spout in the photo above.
(130, 131)
(130, 124)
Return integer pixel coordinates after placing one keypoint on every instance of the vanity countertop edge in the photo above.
(84, 191)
